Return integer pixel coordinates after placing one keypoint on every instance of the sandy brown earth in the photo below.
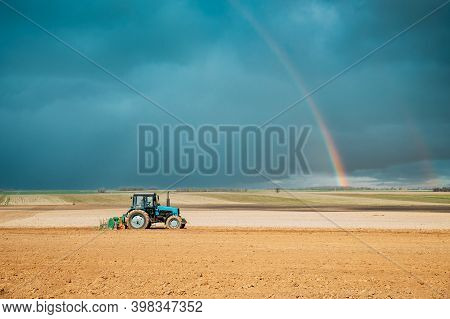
(384, 210)
(224, 263)
(274, 217)
(398, 247)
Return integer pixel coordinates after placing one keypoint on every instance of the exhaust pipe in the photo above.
(168, 199)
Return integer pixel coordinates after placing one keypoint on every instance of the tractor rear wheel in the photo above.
(138, 219)
(173, 222)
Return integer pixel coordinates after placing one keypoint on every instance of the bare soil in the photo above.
(90, 216)
(224, 263)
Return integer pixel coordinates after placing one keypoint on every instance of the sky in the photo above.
(67, 124)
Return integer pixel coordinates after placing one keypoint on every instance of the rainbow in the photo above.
(333, 152)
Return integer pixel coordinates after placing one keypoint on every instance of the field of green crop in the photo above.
(293, 198)
(34, 198)
(254, 197)
(97, 198)
(2, 199)
(438, 198)
(45, 192)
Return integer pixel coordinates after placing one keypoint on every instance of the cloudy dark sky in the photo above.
(64, 123)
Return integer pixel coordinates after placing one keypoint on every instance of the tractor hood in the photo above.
(174, 210)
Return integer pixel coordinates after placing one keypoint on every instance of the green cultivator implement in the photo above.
(145, 210)
(113, 223)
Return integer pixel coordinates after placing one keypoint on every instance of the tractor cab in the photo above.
(144, 201)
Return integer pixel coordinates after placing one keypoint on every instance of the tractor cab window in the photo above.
(149, 201)
(139, 201)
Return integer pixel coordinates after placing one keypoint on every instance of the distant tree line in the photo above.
(211, 189)
(441, 189)
(131, 189)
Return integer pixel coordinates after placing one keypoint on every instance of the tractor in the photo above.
(146, 210)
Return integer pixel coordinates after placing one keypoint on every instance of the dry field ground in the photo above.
(389, 210)
(237, 245)
(223, 263)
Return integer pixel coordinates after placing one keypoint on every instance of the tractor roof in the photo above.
(147, 194)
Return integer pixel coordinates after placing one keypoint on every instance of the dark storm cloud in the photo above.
(116, 34)
(66, 124)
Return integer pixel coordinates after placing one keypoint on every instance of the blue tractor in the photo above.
(146, 210)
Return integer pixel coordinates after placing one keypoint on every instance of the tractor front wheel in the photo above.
(138, 219)
(173, 222)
